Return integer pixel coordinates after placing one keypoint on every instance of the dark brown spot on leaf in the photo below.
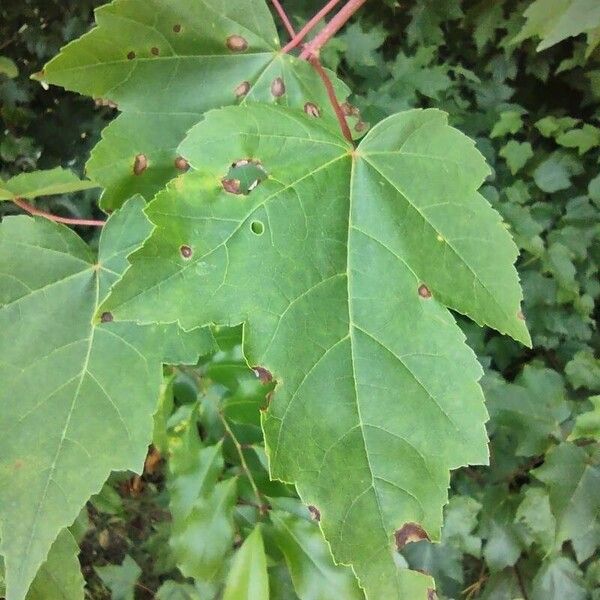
(131, 55)
(278, 87)
(181, 164)
(312, 110)
(424, 291)
(315, 513)
(236, 43)
(242, 89)
(233, 186)
(409, 532)
(431, 594)
(155, 51)
(176, 28)
(18, 464)
(140, 164)
(361, 126)
(263, 374)
(185, 251)
(106, 317)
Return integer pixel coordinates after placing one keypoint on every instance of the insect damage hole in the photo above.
(186, 252)
(257, 227)
(243, 176)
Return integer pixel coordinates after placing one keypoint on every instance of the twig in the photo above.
(283, 16)
(521, 582)
(297, 39)
(331, 28)
(243, 462)
(314, 61)
(41, 213)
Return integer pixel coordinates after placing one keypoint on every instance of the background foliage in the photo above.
(528, 526)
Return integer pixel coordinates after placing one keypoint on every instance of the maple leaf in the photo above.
(342, 264)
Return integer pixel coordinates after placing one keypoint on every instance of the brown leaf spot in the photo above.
(315, 513)
(186, 252)
(152, 461)
(263, 374)
(130, 55)
(278, 87)
(233, 186)
(18, 464)
(236, 43)
(242, 89)
(105, 102)
(520, 315)
(361, 126)
(155, 51)
(106, 317)
(424, 291)
(312, 110)
(176, 28)
(181, 164)
(140, 164)
(409, 532)
(349, 110)
(431, 594)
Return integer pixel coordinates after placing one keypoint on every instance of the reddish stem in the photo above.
(331, 28)
(314, 61)
(297, 39)
(40, 213)
(283, 16)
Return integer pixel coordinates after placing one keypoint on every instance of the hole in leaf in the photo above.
(106, 317)
(130, 55)
(186, 252)
(236, 43)
(155, 51)
(257, 227)
(176, 28)
(243, 176)
(408, 533)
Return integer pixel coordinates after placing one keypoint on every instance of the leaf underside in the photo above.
(180, 52)
(77, 394)
(343, 264)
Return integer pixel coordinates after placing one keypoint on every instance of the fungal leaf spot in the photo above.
(408, 533)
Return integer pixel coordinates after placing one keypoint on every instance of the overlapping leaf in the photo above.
(164, 64)
(342, 264)
(77, 394)
(43, 183)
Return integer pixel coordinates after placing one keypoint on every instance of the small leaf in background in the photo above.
(584, 139)
(559, 579)
(314, 574)
(516, 155)
(120, 579)
(8, 68)
(555, 173)
(43, 183)
(248, 578)
(587, 424)
(510, 122)
(535, 513)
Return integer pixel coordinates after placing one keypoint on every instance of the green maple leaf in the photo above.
(77, 393)
(164, 64)
(342, 263)
(120, 579)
